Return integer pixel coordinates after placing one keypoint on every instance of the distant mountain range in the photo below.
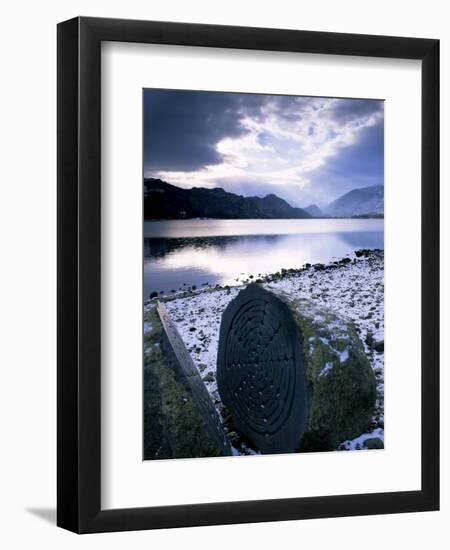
(314, 211)
(163, 201)
(366, 201)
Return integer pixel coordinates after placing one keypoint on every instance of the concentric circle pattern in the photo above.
(259, 376)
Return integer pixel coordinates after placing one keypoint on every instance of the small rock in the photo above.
(374, 443)
(369, 340)
(378, 346)
(209, 377)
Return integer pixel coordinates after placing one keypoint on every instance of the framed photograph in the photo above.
(248, 259)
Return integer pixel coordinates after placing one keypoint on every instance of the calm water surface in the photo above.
(182, 253)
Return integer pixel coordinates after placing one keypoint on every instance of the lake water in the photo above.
(182, 253)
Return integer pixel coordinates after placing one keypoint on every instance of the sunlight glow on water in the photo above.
(182, 253)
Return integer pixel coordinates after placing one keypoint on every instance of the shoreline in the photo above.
(353, 286)
(355, 217)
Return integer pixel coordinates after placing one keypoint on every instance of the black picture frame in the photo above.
(79, 280)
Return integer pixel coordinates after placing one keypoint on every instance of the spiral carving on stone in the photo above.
(260, 371)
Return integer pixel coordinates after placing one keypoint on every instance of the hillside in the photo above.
(314, 211)
(164, 201)
(366, 200)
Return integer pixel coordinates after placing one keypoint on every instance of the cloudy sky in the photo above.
(304, 149)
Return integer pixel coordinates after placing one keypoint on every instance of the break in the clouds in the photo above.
(305, 149)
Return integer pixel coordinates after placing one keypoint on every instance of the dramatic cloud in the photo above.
(311, 149)
(182, 128)
(358, 165)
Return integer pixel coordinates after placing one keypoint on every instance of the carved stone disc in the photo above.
(260, 370)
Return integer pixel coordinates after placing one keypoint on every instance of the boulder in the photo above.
(173, 425)
(293, 375)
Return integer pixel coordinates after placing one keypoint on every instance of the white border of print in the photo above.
(127, 481)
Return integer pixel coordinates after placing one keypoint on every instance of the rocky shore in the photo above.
(352, 286)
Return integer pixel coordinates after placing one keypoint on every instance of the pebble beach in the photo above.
(352, 287)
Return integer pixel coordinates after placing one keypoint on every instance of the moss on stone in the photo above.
(342, 387)
(173, 427)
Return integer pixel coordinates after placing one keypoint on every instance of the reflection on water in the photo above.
(183, 253)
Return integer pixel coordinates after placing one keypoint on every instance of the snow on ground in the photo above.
(197, 319)
(352, 287)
